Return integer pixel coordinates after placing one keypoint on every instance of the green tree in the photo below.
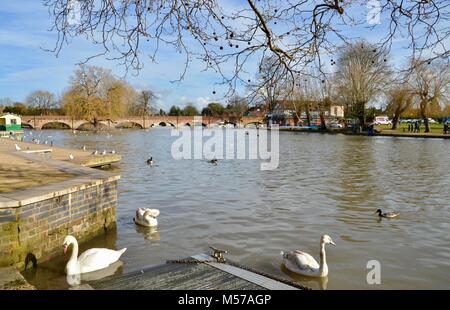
(98, 95)
(175, 111)
(190, 110)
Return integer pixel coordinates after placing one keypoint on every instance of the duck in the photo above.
(150, 161)
(90, 260)
(214, 161)
(146, 217)
(302, 263)
(388, 215)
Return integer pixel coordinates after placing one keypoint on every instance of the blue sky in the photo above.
(26, 66)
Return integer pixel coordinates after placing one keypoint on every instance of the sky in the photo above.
(26, 65)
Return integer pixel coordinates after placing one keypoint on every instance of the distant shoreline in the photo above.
(384, 133)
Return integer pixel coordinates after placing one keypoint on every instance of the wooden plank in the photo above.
(183, 275)
(38, 151)
(175, 276)
(252, 277)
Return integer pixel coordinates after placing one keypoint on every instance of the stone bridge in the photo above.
(43, 122)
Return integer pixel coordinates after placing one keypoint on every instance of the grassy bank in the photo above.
(434, 128)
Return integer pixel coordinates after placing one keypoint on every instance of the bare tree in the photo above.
(362, 74)
(431, 85)
(311, 94)
(42, 100)
(399, 100)
(145, 102)
(269, 86)
(210, 31)
(236, 107)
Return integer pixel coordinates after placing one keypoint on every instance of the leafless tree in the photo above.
(269, 88)
(236, 107)
(399, 100)
(311, 94)
(362, 74)
(296, 33)
(431, 85)
(145, 101)
(42, 100)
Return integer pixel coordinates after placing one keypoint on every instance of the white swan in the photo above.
(146, 217)
(90, 260)
(304, 264)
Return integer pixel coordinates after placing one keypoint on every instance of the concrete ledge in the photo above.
(86, 178)
(11, 279)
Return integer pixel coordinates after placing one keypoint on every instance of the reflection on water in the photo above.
(149, 233)
(325, 184)
(310, 282)
(77, 279)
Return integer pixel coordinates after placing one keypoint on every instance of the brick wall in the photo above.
(38, 229)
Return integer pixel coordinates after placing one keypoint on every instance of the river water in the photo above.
(325, 184)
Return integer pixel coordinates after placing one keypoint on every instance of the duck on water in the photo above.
(388, 215)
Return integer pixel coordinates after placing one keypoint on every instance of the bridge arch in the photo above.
(253, 124)
(129, 125)
(90, 126)
(164, 124)
(55, 125)
(27, 126)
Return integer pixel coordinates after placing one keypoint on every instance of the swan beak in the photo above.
(65, 248)
(331, 242)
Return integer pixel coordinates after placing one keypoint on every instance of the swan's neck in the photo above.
(323, 269)
(74, 255)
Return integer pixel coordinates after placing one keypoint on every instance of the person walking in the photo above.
(445, 128)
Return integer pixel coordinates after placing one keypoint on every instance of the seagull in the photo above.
(17, 147)
(388, 215)
(104, 152)
(94, 152)
(113, 152)
(150, 161)
(71, 156)
(84, 147)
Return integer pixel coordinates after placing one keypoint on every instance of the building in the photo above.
(336, 111)
(284, 115)
(10, 122)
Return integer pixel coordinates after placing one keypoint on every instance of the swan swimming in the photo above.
(304, 264)
(146, 217)
(90, 260)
